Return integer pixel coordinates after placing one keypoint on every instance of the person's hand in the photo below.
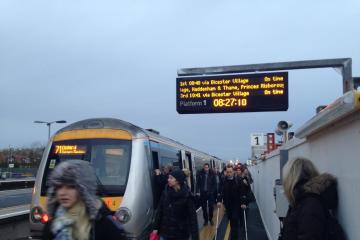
(244, 181)
(157, 172)
(243, 206)
(155, 231)
(218, 204)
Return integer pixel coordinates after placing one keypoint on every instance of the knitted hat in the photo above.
(179, 175)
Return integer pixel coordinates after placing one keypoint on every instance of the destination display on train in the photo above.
(69, 149)
(232, 93)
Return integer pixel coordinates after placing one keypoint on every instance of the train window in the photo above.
(173, 162)
(170, 156)
(199, 164)
(110, 159)
(111, 163)
(155, 158)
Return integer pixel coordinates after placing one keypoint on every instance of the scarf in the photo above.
(71, 224)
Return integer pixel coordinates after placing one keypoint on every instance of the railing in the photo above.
(11, 184)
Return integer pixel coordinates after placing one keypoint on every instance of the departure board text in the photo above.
(232, 93)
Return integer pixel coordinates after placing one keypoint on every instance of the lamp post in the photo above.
(10, 161)
(49, 124)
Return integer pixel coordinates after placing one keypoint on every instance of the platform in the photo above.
(255, 227)
(208, 232)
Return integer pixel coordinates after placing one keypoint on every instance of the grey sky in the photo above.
(81, 59)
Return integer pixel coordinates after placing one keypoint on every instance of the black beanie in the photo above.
(179, 175)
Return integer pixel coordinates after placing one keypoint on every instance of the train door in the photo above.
(187, 163)
(155, 152)
(154, 147)
(189, 160)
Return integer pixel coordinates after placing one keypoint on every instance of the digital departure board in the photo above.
(232, 93)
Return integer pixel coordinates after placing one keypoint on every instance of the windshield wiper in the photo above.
(101, 190)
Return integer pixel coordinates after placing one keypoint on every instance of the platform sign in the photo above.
(232, 93)
(257, 139)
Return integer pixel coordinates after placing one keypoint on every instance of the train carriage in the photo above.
(124, 157)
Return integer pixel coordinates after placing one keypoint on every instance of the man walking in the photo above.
(206, 185)
(234, 197)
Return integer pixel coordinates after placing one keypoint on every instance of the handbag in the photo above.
(154, 236)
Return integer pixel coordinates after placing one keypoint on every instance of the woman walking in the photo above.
(75, 211)
(176, 217)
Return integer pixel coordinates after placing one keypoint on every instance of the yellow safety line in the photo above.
(208, 232)
(227, 233)
(357, 99)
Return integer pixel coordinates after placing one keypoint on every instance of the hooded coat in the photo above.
(80, 174)
(306, 220)
(176, 216)
(234, 193)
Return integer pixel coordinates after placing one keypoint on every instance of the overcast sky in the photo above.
(74, 60)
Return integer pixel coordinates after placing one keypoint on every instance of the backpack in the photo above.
(333, 229)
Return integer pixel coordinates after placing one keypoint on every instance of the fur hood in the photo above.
(324, 185)
(81, 175)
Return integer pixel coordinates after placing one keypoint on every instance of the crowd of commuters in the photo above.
(176, 215)
(77, 213)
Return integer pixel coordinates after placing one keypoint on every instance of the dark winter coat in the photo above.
(160, 184)
(176, 216)
(103, 227)
(211, 182)
(306, 220)
(234, 193)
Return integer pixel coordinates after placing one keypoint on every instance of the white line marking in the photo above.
(14, 214)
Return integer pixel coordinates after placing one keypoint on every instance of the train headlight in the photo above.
(44, 218)
(123, 215)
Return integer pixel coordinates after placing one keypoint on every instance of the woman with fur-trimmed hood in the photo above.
(311, 195)
(76, 213)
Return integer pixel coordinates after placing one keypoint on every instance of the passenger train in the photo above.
(124, 157)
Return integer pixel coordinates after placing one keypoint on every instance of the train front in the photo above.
(110, 145)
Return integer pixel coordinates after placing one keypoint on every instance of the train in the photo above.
(124, 157)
